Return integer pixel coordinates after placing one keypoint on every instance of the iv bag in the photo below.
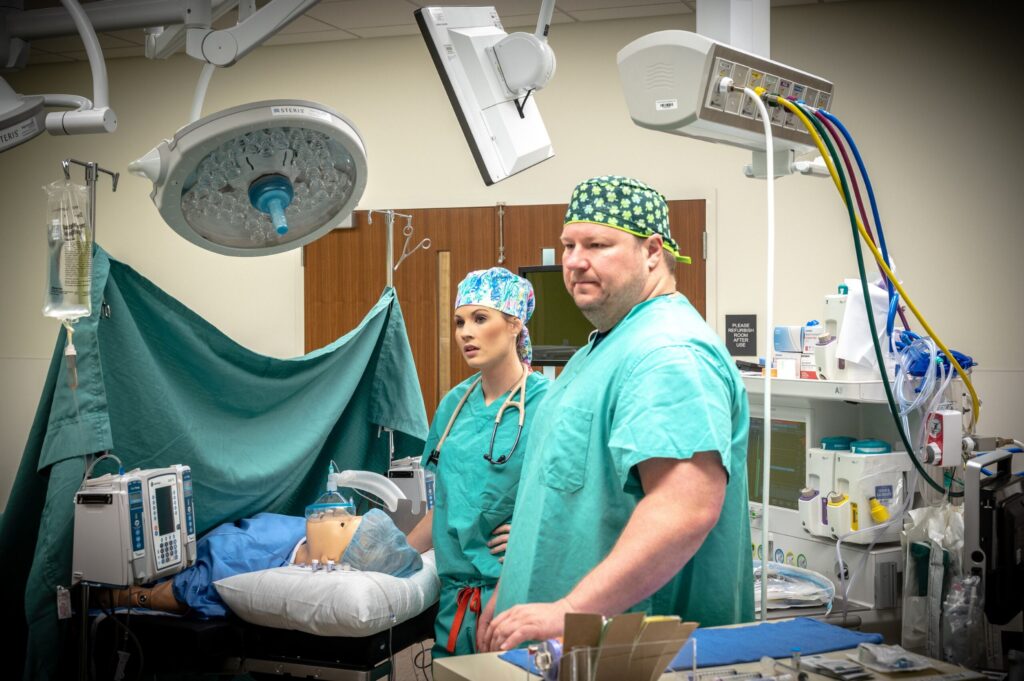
(69, 234)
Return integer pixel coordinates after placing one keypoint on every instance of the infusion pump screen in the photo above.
(165, 509)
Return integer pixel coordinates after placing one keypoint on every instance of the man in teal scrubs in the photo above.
(634, 488)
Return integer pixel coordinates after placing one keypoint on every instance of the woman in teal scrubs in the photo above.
(475, 448)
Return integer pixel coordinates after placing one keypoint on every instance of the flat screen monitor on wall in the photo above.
(557, 328)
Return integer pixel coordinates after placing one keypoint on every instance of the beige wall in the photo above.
(945, 170)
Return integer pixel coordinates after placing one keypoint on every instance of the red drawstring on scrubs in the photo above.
(469, 597)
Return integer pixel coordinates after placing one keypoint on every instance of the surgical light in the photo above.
(259, 178)
(21, 118)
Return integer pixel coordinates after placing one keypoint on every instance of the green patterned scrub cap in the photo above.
(624, 204)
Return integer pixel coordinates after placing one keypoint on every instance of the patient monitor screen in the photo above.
(557, 327)
(789, 457)
(165, 509)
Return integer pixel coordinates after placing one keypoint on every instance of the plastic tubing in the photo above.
(927, 381)
(975, 401)
(374, 483)
(904, 507)
(755, 97)
(851, 177)
(871, 197)
(107, 455)
(847, 586)
(821, 138)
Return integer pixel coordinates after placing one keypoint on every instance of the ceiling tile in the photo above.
(364, 13)
(575, 5)
(305, 24)
(386, 31)
(521, 21)
(301, 24)
(39, 57)
(312, 37)
(111, 53)
(511, 7)
(135, 36)
(73, 43)
(631, 12)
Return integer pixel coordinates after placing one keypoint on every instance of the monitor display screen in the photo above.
(557, 327)
(789, 461)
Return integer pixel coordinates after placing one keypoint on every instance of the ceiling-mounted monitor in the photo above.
(502, 126)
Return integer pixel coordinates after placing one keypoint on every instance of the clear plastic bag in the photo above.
(69, 234)
(933, 541)
(790, 586)
(963, 623)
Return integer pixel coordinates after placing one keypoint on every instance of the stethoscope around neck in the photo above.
(519, 404)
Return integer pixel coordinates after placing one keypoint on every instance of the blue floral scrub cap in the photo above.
(499, 289)
(625, 204)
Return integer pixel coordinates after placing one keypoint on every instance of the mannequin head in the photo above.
(370, 543)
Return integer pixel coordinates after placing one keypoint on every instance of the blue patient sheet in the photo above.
(259, 543)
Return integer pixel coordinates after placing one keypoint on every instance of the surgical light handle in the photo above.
(374, 483)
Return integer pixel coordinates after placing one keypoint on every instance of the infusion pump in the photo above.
(135, 527)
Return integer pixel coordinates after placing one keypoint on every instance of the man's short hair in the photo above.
(670, 261)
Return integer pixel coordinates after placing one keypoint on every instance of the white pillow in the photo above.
(338, 603)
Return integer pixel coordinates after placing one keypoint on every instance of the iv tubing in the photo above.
(975, 402)
(107, 455)
(932, 401)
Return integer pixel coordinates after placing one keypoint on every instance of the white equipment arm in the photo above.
(225, 47)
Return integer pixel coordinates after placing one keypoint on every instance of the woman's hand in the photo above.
(499, 540)
(420, 537)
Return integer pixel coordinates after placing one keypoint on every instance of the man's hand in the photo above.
(483, 624)
(499, 540)
(529, 622)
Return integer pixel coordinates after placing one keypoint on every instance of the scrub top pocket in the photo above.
(569, 441)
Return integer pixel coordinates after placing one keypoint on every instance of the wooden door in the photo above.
(345, 273)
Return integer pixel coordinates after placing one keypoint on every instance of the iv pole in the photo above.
(91, 170)
(389, 224)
